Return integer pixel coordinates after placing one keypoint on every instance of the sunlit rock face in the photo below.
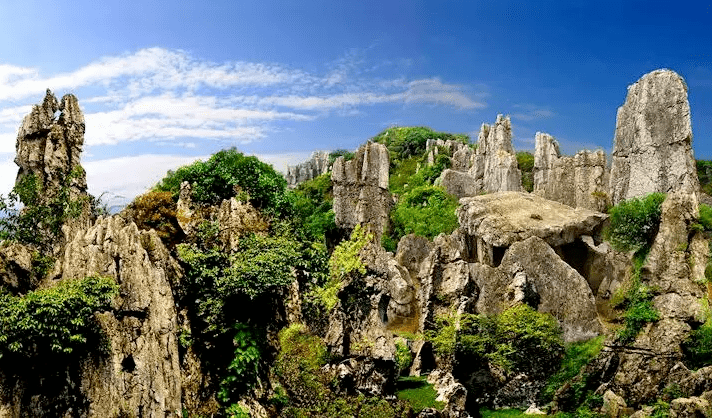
(652, 151)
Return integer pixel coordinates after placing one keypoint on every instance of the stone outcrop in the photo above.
(361, 193)
(458, 183)
(498, 220)
(141, 375)
(580, 181)
(315, 166)
(49, 147)
(433, 147)
(495, 166)
(652, 150)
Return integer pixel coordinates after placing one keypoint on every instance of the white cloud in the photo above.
(530, 112)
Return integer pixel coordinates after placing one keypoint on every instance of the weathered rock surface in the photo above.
(50, 147)
(433, 147)
(580, 181)
(652, 150)
(412, 250)
(361, 193)
(141, 376)
(315, 166)
(458, 183)
(531, 272)
(236, 219)
(501, 219)
(495, 167)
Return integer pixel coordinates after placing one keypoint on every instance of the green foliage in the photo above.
(244, 368)
(698, 346)
(508, 340)
(704, 173)
(634, 223)
(430, 173)
(418, 392)
(404, 142)
(525, 162)
(39, 222)
(404, 358)
(312, 203)
(344, 261)
(502, 413)
(661, 409)
(260, 265)
(55, 320)
(157, 210)
(705, 218)
(401, 174)
(226, 173)
(576, 357)
(426, 211)
(333, 155)
(637, 302)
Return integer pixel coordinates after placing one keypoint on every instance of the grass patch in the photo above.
(502, 413)
(418, 392)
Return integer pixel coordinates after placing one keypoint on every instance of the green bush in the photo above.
(576, 357)
(634, 223)
(312, 204)
(508, 340)
(525, 162)
(705, 218)
(299, 361)
(404, 142)
(348, 155)
(243, 370)
(404, 358)
(34, 216)
(54, 320)
(225, 174)
(637, 302)
(426, 211)
(698, 346)
(704, 173)
(344, 261)
(401, 174)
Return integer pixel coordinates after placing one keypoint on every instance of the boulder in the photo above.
(501, 219)
(531, 272)
(361, 193)
(495, 167)
(412, 250)
(689, 408)
(580, 181)
(458, 183)
(652, 150)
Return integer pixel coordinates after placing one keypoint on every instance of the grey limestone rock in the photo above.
(433, 146)
(458, 183)
(495, 167)
(315, 166)
(652, 150)
(361, 193)
(578, 181)
(501, 219)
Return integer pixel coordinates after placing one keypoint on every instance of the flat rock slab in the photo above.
(503, 218)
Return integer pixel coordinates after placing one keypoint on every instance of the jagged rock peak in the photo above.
(361, 193)
(315, 166)
(50, 146)
(652, 149)
(578, 181)
(495, 166)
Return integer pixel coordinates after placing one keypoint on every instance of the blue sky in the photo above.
(162, 83)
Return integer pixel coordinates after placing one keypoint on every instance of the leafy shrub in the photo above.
(157, 210)
(508, 340)
(404, 142)
(634, 223)
(344, 261)
(525, 162)
(400, 176)
(705, 218)
(698, 346)
(426, 211)
(704, 173)
(244, 368)
(225, 174)
(55, 320)
(39, 221)
(418, 392)
(299, 361)
(312, 204)
(577, 356)
(637, 302)
(348, 155)
(404, 358)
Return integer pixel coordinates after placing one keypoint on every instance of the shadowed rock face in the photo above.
(361, 193)
(50, 147)
(652, 151)
(579, 181)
